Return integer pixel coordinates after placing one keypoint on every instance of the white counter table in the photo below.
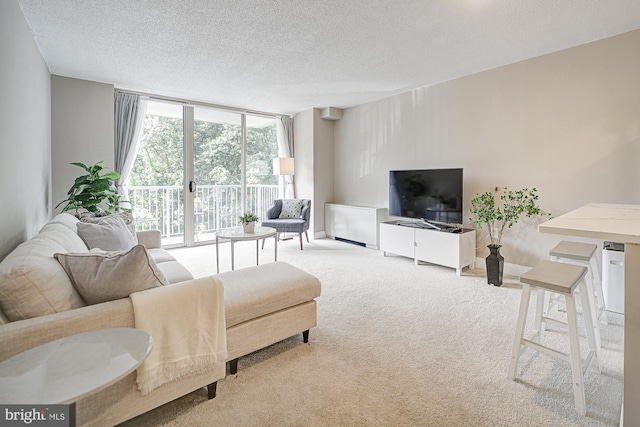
(618, 223)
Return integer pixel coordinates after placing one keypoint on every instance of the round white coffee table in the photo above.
(65, 370)
(237, 234)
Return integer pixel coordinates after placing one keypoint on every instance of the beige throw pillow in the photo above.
(109, 233)
(105, 276)
(291, 208)
(32, 282)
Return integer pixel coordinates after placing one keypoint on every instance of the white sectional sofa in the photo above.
(39, 304)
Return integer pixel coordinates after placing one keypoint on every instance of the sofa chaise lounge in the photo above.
(38, 304)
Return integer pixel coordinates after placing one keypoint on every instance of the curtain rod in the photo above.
(199, 104)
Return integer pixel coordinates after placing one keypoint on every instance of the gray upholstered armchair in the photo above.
(294, 218)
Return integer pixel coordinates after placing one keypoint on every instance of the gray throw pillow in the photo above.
(291, 208)
(109, 233)
(105, 276)
(127, 217)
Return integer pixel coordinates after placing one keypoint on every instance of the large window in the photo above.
(261, 149)
(198, 169)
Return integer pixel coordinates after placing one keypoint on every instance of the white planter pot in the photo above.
(250, 227)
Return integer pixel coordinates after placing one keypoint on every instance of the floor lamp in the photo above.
(283, 166)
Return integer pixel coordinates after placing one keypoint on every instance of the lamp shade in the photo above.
(283, 166)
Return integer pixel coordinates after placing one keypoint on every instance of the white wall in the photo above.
(313, 152)
(304, 160)
(82, 130)
(303, 154)
(323, 169)
(25, 131)
(567, 123)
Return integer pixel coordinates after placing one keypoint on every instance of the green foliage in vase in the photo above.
(94, 192)
(496, 215)
(247, 218)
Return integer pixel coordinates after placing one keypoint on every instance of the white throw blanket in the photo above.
(187, 324)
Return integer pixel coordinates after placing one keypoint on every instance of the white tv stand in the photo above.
(450, 249)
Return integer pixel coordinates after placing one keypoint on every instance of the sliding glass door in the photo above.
(156, 183)
(217, 172)
(261, 149)
(198, 169)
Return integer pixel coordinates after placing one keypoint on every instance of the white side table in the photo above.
(237, 234)
(66, 370)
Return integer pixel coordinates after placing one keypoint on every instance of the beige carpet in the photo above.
(396, 345)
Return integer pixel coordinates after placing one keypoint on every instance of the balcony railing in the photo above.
(215, 207)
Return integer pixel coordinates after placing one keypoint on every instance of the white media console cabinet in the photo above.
(454, 250)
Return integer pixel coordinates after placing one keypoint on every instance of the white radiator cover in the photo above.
(356, 223)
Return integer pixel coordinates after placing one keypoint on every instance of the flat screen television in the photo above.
(428, 194)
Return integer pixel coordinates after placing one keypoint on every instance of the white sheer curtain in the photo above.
(284, 134)
(130, 111)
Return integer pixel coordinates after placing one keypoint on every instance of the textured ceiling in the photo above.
(285, 56)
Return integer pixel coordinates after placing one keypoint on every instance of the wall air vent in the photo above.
(331, 113)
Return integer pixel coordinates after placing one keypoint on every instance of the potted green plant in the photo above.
(499, 215)
(94, 192)
(248, 221)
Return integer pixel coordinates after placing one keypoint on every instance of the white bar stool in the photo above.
(563, 279)
(582, 254)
